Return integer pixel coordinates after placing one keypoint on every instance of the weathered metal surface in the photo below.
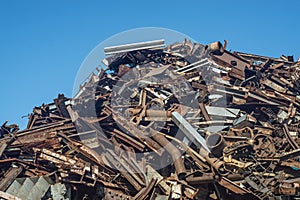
(7, 196)
(9, 177)
(187, 121)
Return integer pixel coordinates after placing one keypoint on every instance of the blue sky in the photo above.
(43, 43)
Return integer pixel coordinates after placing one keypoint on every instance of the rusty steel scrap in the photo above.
(177, 121)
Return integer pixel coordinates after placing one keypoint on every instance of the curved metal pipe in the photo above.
(172, 150)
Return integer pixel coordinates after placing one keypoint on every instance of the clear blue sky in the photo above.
(43, 43)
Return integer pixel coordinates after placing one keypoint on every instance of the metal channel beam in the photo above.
(189, 131)
(134, 46)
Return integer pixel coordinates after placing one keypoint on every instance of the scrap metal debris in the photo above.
(185, 121)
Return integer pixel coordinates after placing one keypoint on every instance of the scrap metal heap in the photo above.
(186, 121)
